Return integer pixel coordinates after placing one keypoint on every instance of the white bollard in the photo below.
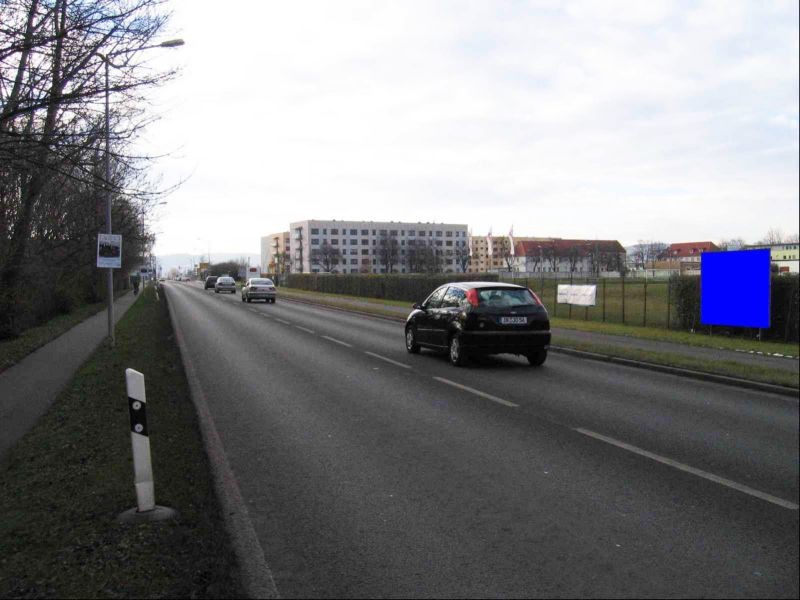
(140, 441)
(146, 508)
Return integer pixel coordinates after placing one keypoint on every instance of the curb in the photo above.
(255, 575)
(689, 373)
(724, 379)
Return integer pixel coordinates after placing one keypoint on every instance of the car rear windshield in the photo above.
(260, 282)
(504, 298)
(224, 280)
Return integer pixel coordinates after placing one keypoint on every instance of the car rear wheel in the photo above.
(248, 300)
(458, 357)
(243, 298)
(216, 291)
(536, 359)
(411, 341)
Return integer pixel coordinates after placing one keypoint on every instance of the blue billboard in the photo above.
(735, 288)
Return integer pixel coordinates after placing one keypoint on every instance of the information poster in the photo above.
(579, 295)
(109, 251)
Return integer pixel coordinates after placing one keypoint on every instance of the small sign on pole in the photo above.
(109, 251)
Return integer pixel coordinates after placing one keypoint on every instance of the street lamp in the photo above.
(107, 61)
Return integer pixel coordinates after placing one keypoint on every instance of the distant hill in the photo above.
(184, 262)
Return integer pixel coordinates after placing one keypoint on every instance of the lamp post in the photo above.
(107, 62)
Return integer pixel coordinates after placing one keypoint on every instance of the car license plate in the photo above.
(513, 321)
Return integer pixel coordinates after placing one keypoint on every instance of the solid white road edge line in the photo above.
(306, 329)
(389, 360)
(477, 392)
(686, 468)
(337, 341)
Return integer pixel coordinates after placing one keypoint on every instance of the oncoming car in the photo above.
(470, 318)
(225, 284)
(259, 288)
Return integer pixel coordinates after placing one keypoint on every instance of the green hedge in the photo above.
(784, 313)
(412, 288)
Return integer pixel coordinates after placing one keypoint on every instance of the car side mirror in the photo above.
(419, 306)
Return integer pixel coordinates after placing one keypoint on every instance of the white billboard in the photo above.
(579, 295)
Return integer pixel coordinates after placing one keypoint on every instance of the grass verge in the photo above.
(13, 351)
(63, 485)
(760, 373)
(718, 367)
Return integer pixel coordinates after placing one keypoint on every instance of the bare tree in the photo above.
(326, 256)
(534, 257)
(552, 254)
(573, 257)
(388, 250)
(462, 257)
(732, 244)
(773, 236)
(792, 239)
(504, 250)
(52, 185)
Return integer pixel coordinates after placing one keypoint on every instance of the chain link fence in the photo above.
(670, 303)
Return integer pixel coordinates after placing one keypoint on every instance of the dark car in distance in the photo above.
(210, 281)
(480, 317)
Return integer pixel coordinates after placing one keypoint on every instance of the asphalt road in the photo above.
(371, 472)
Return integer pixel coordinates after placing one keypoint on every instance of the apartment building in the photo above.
(557, 255)
(376, 247)
(785, 255)
(482, 262)
(271, 246)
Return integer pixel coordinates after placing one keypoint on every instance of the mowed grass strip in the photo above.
(14, 350)
(63, 485)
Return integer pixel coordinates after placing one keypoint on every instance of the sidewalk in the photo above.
(28, 388)
(566, 335)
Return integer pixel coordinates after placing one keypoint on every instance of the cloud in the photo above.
(558, 117)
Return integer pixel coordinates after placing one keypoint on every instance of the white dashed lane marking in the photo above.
(389, 360)
(282, 321)
(306, 329)
(337, 341)
(688, 469)
(477, 392)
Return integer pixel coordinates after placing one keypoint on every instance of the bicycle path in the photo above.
(28, 388)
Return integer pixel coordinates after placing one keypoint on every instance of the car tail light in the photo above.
(472, 297)
(535, 297)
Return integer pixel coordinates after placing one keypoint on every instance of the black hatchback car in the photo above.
(480, 317)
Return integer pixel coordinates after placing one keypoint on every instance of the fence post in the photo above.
(623, 298)
(555, 295)
(604, 299)
(570, 305)
(669, 285)
(146, 508)
(644, 318)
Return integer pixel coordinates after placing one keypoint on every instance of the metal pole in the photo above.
(623, 298)
(669, 281)
(604, 299)
(110, 274)
(644, 322)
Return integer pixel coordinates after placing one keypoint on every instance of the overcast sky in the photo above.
(673, 121)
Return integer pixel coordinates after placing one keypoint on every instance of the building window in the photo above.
(354, 232)
(315, 231)
(365, 232)
(448, 234)
(365, 242)
(412, 233)
(421, 233)
(353, 242)
(314, 242)
(365, 251)
(449, 243)
(353, 251)
(438, 234)
(334, 242)
(353, 261)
